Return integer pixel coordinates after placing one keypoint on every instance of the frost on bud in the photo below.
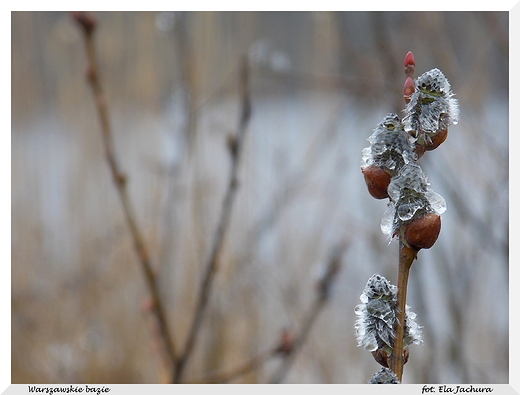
(389, 150)
(411, 198)
(384, 376)
(377, 317)
(431, 109)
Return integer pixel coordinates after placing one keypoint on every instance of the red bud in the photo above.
(409, 59)
(409, 64)
(409, 89)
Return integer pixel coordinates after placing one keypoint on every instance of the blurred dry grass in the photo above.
(321, 82)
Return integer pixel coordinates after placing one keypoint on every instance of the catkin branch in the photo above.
(413, 212)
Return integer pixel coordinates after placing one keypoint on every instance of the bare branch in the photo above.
(88, 25)
(322, 296)
(235, 148)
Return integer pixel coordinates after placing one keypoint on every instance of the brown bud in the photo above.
(381, 357)
(406, 355)
(377, 181)
(419, 150)
(437, 139)
(423, 232)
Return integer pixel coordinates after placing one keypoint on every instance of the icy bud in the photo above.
(431, 109)
(377, 316)
(389, 150)
(410, 198)
(384, 376)
(390, 147)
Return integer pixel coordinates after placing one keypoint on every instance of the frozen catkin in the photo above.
(390, 148)
(385, 325)
(376, 319)
(412, 203)
(384, 376)
(431, 110)
(389, 164)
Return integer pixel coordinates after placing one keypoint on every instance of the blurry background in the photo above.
(321, 81)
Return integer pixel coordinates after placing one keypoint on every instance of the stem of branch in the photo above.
(406, 257)
(88, 25)
(235, 147)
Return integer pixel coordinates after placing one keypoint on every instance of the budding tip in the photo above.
(409, 87)
(409, 59)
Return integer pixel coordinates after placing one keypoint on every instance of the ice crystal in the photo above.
(410, 197)
(384, 376)
(390, 147)
(432, 107)
(377, 316)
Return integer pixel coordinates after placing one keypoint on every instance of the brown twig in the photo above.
(235, 148)
(88, 25)
(322, 296)
(406, 257)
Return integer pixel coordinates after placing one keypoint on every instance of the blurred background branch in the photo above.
(235, 144)
(89, 26)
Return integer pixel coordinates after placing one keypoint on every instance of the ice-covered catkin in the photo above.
(410, 198)
(390, 147)
(431, 110)
(377, 315)
(384, 376)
